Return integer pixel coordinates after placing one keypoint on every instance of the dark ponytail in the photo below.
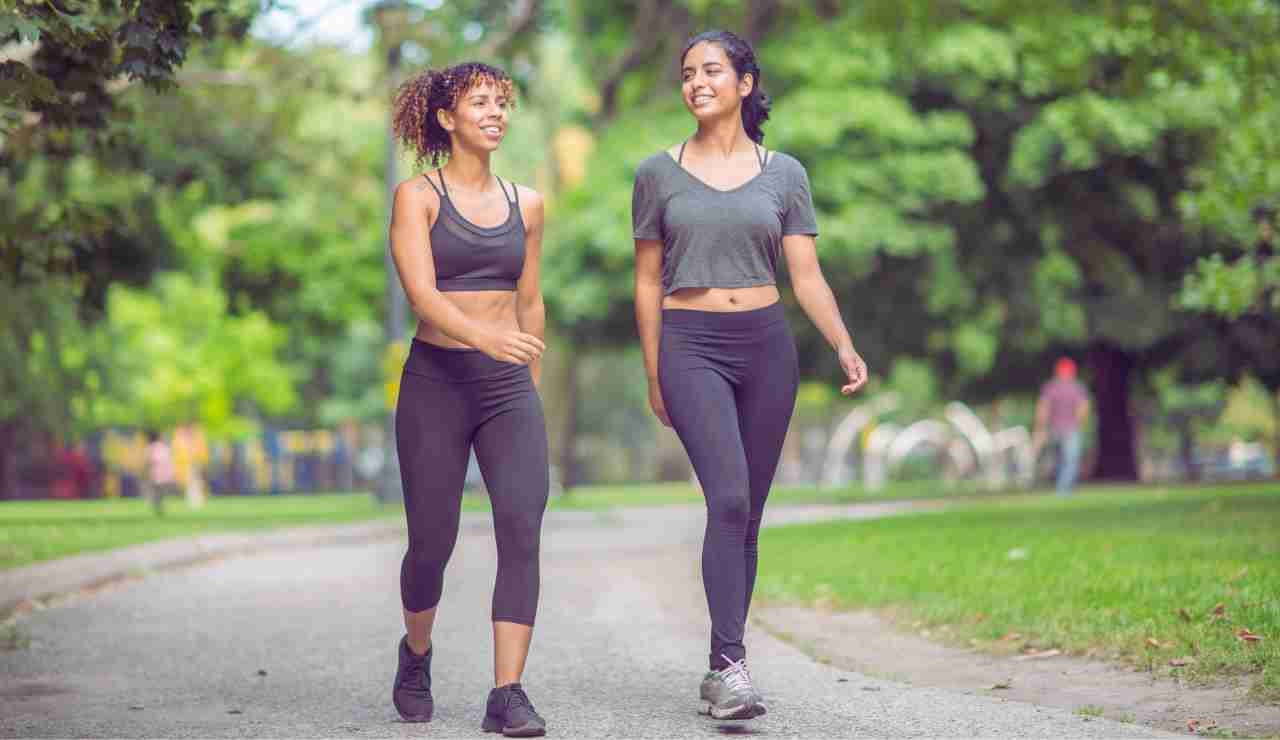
(413, 118)
(755, 107)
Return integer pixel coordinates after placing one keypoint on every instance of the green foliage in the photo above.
(181, 357)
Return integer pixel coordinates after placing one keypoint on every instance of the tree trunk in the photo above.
(8, 436)
(1275, 431)
(569, 473)
(1112, 370)
(1187, 444)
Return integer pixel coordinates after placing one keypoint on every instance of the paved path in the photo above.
(301, 642)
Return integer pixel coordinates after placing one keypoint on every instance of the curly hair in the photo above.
(413, 120)
(755, 107)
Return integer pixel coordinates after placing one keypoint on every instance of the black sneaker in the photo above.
(510, 712)
(412, 691)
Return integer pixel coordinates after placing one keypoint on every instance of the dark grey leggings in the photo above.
(451, 399)
(729, 383)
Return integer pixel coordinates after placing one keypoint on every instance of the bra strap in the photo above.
(443, 184)
(514, 190)
(432, 184)
(680, 156)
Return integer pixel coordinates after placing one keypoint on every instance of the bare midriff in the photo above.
(722, 299)
(494, 309)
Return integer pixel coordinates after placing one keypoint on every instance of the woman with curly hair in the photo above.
(710, 219)
(466, 246)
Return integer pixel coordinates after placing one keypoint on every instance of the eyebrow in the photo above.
(689, 67)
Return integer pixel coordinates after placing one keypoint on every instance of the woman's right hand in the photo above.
(512, 345)
(655, 403)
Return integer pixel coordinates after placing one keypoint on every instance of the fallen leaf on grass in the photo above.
(1219, 612)
(1186, 615)
(1153, 642)
(1183, 661)
(1010, 636)
(1039, 654)
(1244, 634)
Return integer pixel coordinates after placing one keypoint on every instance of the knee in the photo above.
(519, 536)
(731, 509)
(422, 578)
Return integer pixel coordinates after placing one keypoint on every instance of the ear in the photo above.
(445, 118)
(746, 84)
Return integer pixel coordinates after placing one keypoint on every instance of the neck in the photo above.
(723, 136)
(467, 169)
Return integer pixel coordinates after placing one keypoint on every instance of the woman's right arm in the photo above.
(411, 250)
(649, 316)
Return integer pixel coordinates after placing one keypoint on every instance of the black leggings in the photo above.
(451, 399)
(729, 383)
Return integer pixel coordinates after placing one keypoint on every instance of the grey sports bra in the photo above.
(471, 257)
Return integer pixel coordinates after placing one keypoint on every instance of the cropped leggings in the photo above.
(729, 384)
(451, 400)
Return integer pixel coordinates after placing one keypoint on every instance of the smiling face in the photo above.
(710, 85)
(479, 117)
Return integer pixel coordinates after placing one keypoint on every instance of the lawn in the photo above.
(41, 530)
(1170, 579)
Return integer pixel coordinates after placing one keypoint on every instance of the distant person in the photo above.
(711, 218)
(162, 475)
(466, 245)
(1061, 413)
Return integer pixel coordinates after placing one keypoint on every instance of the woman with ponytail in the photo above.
(711, 217)
(466, 246)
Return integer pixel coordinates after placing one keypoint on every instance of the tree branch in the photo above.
(526, 13)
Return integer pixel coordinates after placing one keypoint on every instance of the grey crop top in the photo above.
(720, 238)
(471, 257)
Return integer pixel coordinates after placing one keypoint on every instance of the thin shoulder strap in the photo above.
(680, 156)
(514, 190)
(432, 184)
(443, 184)
(762, 156)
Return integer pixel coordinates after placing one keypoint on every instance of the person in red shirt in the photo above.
(1060, 414)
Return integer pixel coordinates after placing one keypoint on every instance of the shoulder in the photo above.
(653, 165)
(532, 204)
(787, 165)
(416, 191)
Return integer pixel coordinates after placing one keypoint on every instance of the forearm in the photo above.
(531, 315)
(819, 304)
(649, 324)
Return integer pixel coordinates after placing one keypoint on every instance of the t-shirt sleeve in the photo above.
(798, 216)
(646, 208)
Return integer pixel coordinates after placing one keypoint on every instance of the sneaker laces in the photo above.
(517, 697)
(415, 677)
(735, 675)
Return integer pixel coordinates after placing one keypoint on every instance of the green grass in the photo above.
(1122, 573)
(40, 530)
(1090, 710)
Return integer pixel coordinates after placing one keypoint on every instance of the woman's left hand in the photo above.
(854, 368)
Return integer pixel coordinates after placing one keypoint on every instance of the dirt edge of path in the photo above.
(865, 642)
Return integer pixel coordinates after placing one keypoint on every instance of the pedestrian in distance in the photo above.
(466, 245)
(711, 217)
(1061, 411)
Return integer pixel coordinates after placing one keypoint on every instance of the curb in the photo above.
(30, 587)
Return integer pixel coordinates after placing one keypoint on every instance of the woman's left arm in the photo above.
(530, 311)
(819, 304)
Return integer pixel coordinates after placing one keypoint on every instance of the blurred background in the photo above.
(194, 200)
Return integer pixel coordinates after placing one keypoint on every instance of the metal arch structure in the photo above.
(846, 435)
